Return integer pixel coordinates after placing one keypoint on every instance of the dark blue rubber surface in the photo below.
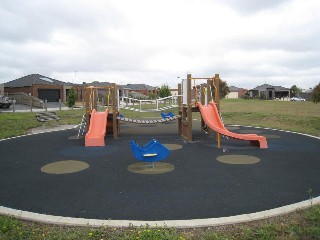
(199, 187)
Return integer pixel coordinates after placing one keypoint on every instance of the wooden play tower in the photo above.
(191, 93)
(91, 100)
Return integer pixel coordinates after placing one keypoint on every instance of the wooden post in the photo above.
(202, 101)
(46, 105)
(202, 95)
(216, 99)
(115, 111)
(217, 91)
(189, 109)
(87, 93)
(95, 98)
(179, 109)
(209, 85)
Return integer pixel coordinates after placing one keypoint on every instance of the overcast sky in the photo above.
(248, 42)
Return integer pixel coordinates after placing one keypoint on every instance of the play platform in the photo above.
(54, 173)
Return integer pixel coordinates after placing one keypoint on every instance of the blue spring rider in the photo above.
(167, 115)
(152, 152)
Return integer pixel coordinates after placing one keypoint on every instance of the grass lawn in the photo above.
(295, 116)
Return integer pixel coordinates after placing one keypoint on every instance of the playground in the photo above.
(205, 175)
(205, 183)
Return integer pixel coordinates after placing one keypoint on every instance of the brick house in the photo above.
(39, 86)
(236, 92)
(270, 92)
(142, 88)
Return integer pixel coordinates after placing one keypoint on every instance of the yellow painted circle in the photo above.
(238, 159)
(64, 167)
(147, 168)
(172, 146)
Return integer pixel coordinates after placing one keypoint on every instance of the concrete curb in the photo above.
(208, 222)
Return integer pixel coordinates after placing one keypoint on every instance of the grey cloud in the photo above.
(252, 6)
(37, 20)
(60, 37)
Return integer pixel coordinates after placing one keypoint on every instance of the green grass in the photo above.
(303, 224)
(295, 116)
(301, 117)
(15, 124)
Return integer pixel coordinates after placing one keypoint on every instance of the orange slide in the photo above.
(211, 117)
(97, 129)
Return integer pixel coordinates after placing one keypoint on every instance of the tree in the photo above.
(295, 91)
(152, 96)
(224, 89)
(71, 98)
(164, 91)
(316, 94)
(246, 95)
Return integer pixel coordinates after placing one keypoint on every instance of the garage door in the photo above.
(52, 95)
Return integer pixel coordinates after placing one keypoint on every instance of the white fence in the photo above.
(157, 104)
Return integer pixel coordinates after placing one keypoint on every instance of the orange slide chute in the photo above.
(97, 129)
(211, 117)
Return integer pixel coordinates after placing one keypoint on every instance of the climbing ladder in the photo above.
(83, 125)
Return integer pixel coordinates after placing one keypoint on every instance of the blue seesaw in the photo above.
(152, 152)
(167, 115)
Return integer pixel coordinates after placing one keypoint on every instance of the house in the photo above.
(174, 91)
(1, 89)
(306, 94)
(267, 91)
(39, 86)
(142, 88)
(236, 92)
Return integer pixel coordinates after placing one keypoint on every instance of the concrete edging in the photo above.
(207, 222)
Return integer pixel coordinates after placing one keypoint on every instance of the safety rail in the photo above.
(128, 102)
(152, 121)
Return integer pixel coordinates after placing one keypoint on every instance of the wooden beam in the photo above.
(115, 111)
(189, 109)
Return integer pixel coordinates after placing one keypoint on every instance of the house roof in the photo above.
(264, 87)
(235, 89)
(29, 80)
(139, 87)
(100, 84)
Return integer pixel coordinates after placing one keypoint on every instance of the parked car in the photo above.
(297, 99)
(5, 102)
